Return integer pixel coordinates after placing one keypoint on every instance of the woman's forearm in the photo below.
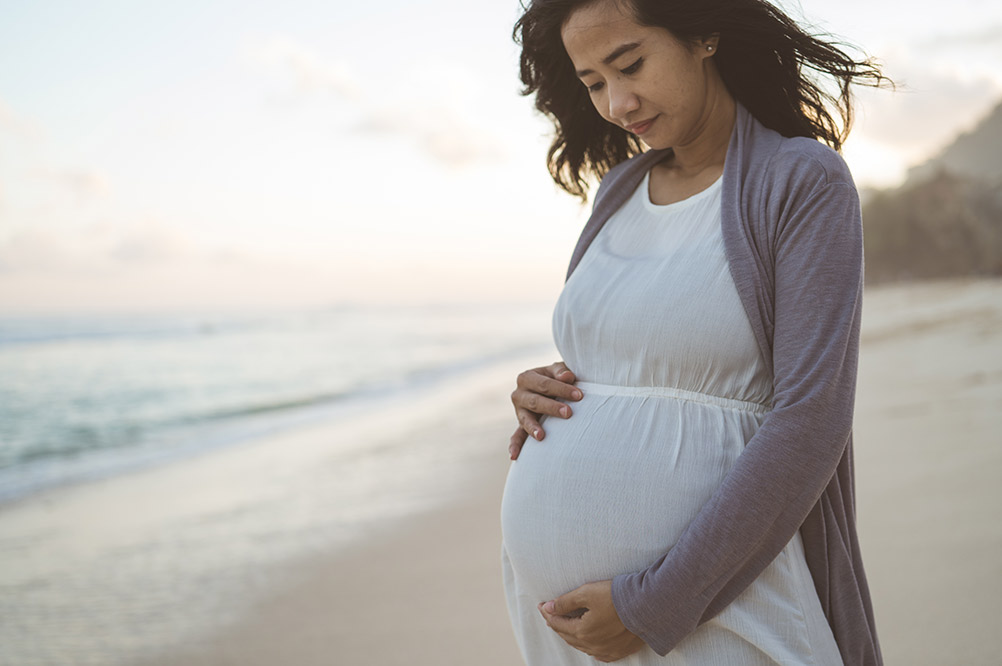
(788, 463)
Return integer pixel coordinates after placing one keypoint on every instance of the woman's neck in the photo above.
(709, 149)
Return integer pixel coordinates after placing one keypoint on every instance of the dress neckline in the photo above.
(645, 188)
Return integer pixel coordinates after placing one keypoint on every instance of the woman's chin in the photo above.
(655, 145)
(655, 140)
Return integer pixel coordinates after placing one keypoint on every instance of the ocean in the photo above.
(159, 474)
(88, 397)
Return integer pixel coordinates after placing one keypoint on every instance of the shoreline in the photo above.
(420, 582)
(121, 570)
(426, 590)
(930, 537)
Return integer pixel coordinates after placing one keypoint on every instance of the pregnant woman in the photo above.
(691, 498)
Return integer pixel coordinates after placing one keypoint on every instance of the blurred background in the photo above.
(268, 270)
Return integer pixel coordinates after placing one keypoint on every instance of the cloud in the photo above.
(83, 184)
(150, 266)
(931, 106)
(17, 125)
(80, 184)
(310, 71)
(152, 243)
(990, 36)
(941, 92)
(96, 249)
(458, 146)
(439, 133)
(34, 250)
(433, 127)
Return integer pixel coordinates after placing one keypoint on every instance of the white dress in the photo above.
(674, 386)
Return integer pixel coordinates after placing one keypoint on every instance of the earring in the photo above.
(709, 48)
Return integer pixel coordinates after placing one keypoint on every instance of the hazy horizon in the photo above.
(222, 155)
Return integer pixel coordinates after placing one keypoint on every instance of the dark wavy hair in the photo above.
(767, 62)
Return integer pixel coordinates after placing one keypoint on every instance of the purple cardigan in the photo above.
(794, 243)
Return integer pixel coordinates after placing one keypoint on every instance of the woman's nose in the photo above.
(622, 101)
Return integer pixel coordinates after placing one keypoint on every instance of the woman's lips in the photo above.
(641, 127)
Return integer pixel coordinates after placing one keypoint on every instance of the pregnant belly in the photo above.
(611, 489)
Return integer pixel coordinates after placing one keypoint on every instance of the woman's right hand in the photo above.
(535, 395)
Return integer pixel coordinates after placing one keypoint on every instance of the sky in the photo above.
(214, 154)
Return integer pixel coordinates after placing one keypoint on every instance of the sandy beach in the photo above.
(422, 585)
(429, 592)
(928, 416)
(927, 456)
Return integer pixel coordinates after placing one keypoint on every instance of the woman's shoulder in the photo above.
(767, 155)
(789, 173)
(807, 160)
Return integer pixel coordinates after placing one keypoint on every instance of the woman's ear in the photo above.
(708, 44)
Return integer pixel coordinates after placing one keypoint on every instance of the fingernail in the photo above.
(565, 412)
(538, 434)
(576, 394)
(548, 607)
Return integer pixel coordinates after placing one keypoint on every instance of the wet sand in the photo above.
(426, 588)
(927, 458)
(427, 593)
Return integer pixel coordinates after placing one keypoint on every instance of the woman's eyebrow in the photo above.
(618, 51)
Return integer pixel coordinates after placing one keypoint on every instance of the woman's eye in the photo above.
(632, 69)
(628, 70)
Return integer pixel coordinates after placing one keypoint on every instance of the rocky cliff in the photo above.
(946, 220)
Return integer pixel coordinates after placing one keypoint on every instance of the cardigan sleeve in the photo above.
(788, 462)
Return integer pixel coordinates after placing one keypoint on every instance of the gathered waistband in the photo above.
(672, 392)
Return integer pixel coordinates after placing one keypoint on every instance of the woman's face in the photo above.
(639, 77)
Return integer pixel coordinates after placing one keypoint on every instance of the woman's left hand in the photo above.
(586, 619)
